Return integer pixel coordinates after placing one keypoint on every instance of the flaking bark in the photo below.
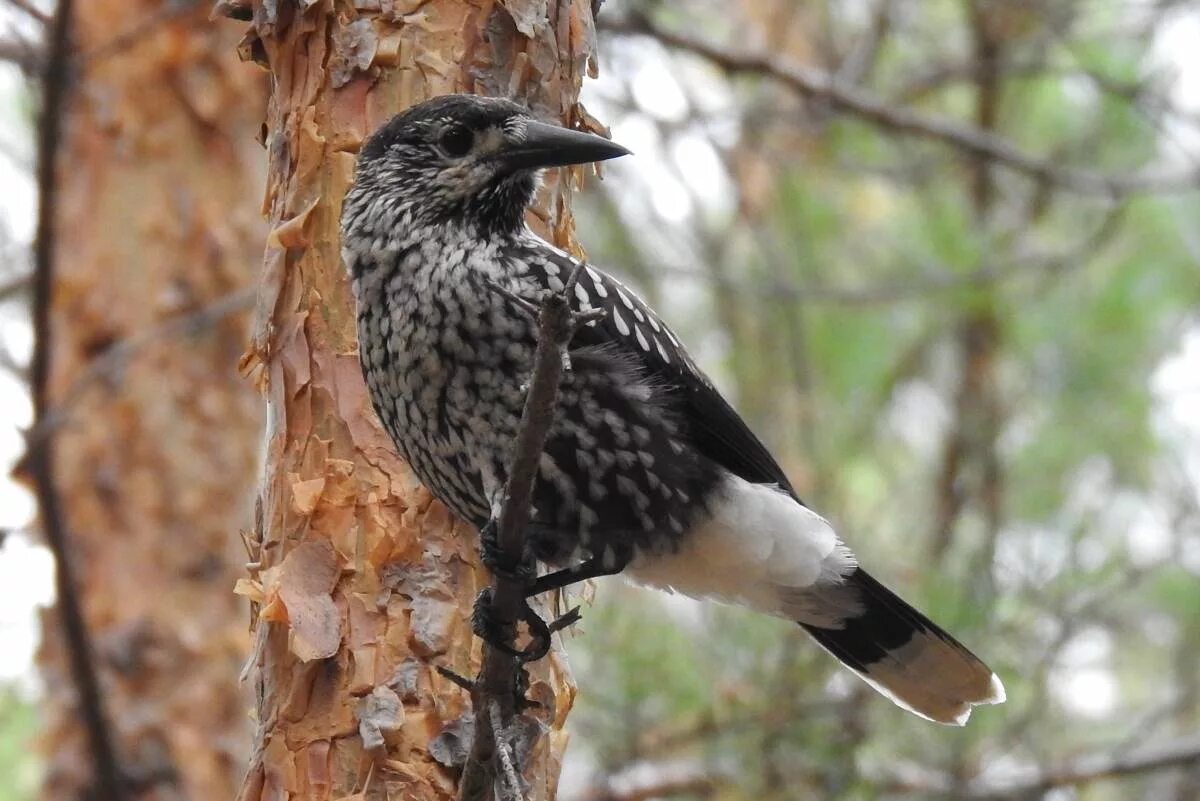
(153, 435)
(365, 584)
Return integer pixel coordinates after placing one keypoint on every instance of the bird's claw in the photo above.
(499, 634)
(540, 631)
(494, 558)
(487, 627)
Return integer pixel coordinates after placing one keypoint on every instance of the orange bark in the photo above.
(364, 583)
(154, 433)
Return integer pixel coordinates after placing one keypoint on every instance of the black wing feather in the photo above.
(715, 428)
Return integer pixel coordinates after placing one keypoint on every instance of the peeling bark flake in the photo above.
(366, 583)
(306, 580)
(379, 714)
(529, 15)
(354, 47)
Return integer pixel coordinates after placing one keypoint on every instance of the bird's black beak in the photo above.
(547, 145)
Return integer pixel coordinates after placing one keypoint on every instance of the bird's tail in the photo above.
(906, 656)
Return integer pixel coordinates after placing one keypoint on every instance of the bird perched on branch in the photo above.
(647, 469)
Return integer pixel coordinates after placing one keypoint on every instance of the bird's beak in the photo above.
(547, 145)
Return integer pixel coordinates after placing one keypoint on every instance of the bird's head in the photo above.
(470, 159)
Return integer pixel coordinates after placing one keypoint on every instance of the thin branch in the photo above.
(819, 85)
(40, 459)
(1182, 753)
(31, 10)
(26, 55)
(15, 286)
(932, 281)
(864, 55)
(504, 751)
(10, 365)
(498, 677)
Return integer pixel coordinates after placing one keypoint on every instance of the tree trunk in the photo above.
(363, 583)
(154, 435)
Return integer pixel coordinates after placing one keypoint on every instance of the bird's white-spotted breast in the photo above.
(447, 353)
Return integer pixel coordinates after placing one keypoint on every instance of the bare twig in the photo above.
(931, 281)
(497, 679)
(971, 439)
(31, 10)
(504, 751)
(21, 52)
(1181, 753)
(15, 286)
(1184, 752)
(820, 85)
(39, 460)
(862, 58)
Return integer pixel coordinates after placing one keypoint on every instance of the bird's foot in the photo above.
(500, 634)
(522, 571)
(489, 627)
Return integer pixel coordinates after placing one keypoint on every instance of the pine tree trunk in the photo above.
(364, 583)
(154, 435)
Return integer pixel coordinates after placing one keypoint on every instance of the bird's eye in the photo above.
(456, 141)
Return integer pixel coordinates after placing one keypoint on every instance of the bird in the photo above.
(648, 471)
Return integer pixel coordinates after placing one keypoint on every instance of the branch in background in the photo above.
(10, 365)
(26, 55)
(971, 438)
(497, 682)
(861, 59)
(30, 9)
(921, 286)
(14, 287)
(1182, 753)
(819, 85)
(39, 459)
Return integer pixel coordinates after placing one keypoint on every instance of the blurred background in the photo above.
(945, 258)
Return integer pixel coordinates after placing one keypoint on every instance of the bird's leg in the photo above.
(499, 633)
(610, 562)
(539, 634)
(523, 571)
(540, 631)
(496, 633)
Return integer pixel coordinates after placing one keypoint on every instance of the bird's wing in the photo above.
(715, 428)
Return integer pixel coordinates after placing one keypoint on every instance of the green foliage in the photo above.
(18, 764)
(853, 289)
